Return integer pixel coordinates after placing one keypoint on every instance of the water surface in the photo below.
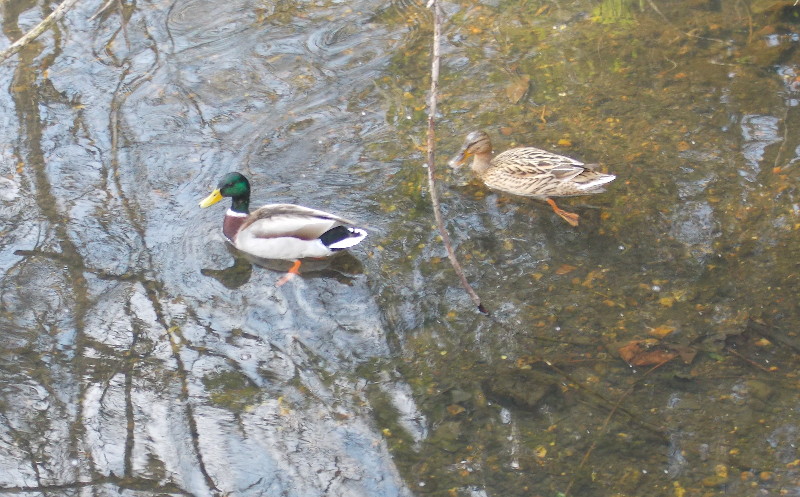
(140, 354)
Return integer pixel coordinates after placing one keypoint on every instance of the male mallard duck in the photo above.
(280, 231)
(531, 172)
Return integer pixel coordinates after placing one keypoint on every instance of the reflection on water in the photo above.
(231, 277)
(343, 267)
(141, 353)
(758, 132)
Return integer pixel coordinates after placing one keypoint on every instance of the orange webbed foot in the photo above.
(569, 217)
(295, 269)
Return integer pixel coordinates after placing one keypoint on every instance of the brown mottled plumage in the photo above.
(531, 172)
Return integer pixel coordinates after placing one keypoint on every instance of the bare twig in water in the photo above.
(102, 10)
(40, 28)
(655, 8)
(437, 31)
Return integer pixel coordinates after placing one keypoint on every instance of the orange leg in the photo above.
(569, 217)
(295, 269)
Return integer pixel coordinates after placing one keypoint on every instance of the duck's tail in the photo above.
(342, 237)
(592, 182)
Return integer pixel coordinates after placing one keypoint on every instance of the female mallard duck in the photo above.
(280, 231)
(531, 172)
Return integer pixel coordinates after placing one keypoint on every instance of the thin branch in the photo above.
(40, 28)
(437, 32)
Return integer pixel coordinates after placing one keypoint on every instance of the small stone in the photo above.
(714, 481)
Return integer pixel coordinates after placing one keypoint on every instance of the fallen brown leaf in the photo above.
(517, 88)
(565, 269)
(645, 353)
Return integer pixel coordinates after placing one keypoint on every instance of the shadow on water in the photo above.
(650, 351)
(342, 267)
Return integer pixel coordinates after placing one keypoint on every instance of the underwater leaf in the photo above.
(645, 353)
(661, 331)
(455, 409)
(565, 269)
(517, 88)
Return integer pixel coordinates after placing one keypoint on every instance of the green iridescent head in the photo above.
(235, 186)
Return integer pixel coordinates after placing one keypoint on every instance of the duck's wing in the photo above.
(533, 172)
(530, 161)
(289, 220)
